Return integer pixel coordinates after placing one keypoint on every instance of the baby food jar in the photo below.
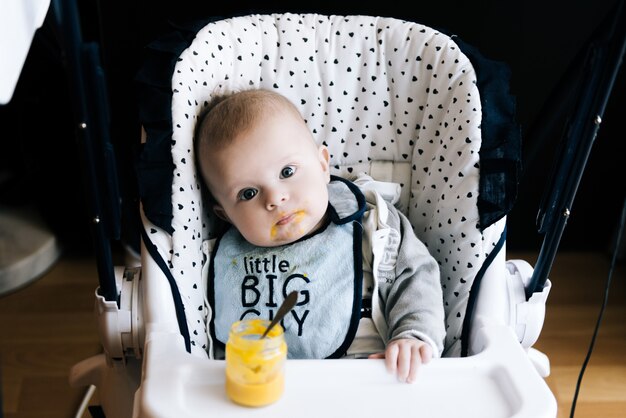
(255, 367)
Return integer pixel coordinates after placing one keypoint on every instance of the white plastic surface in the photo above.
(540, 361)
(497, 383)
(527, 316)
(116, 384)
(504, 302)
(19, 19)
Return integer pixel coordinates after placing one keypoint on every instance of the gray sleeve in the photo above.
(413, 301)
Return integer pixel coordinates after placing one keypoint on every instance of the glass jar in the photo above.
(255, 367)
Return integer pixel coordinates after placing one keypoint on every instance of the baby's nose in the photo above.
(276, 198)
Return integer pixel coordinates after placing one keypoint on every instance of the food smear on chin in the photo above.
(288, 225)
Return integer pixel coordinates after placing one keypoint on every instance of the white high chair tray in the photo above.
(499, 382)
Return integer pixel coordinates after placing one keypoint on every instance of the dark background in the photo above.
(538, 40)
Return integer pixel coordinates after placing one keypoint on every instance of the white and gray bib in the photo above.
(325, 268)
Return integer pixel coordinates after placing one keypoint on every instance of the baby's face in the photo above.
(271, 182)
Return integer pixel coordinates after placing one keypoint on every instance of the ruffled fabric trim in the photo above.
(155, 167)
(501, 146)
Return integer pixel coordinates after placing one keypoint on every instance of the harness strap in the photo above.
(178, 303)
(473, 295)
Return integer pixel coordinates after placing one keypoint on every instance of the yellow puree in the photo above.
(255, 367)
(297, 219)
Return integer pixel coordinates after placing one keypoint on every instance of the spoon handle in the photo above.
(285, 307)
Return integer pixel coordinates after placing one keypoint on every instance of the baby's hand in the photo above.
(404, 356)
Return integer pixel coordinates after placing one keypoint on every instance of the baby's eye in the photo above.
(247, 194)
(287, 171)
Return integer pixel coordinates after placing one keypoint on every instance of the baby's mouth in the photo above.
(297, 215)
(293, 218)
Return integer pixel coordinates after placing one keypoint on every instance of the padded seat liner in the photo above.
(379, 92)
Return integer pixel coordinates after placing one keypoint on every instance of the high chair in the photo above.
(394, 99)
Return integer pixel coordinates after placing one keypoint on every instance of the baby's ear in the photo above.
(324, 158)
(220, 213)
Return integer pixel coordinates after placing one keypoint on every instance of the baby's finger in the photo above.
(376, 355)
(416, 362)
(404, 362)
(391, 357)
(426, 352)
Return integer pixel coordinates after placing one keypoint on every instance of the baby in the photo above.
(367, 286)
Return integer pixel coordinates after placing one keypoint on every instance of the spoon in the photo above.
(285, 307)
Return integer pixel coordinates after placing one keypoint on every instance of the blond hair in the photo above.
(228, 115)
